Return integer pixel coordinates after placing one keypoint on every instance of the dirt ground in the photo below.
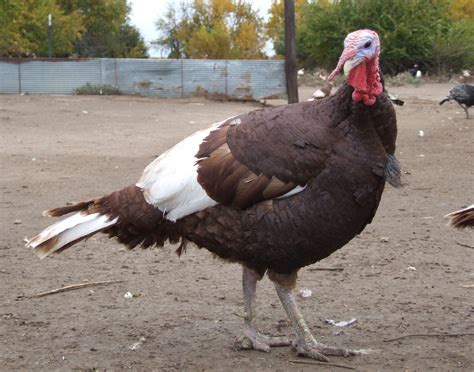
(406, 274)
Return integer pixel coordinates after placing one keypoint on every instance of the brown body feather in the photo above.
(338, 149)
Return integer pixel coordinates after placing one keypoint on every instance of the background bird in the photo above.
(463, 95)
(466, 77)
(415, 71)
(462, 218)
(323, 92)
(275, 189)
(395, 100)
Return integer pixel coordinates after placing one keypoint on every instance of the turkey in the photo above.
(462, 218)
(463, 95)
(274, 189)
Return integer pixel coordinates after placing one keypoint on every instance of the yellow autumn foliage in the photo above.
(215, 29)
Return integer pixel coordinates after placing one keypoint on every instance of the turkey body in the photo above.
(335, 149)
(463, 95)
(291, 185)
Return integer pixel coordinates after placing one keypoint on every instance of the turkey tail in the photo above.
(444, 100)
(65, 233)
(124, 214)
(74, 207)
(462, 218)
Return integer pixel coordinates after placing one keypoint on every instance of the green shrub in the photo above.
(403, 78)
(411, 31)
(453, 47)
(99, 89)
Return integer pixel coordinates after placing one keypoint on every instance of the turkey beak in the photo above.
(351, 63)
(349, 58)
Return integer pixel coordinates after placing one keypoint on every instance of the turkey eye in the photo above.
(367, 44)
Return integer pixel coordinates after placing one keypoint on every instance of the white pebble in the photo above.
(128, 295)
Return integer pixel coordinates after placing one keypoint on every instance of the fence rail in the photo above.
(163, 78)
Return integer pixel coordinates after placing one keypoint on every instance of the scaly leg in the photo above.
(250, 337)
(465, 108)
(305, 344)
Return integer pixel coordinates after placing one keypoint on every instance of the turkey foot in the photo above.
(305, 344)
(315, 350)
(251, 339)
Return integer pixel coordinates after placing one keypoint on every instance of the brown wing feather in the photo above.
(277, 188)
(250, 190)
(268, 152)
(230, 182)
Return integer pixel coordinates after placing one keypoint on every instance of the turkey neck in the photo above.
(360, 119)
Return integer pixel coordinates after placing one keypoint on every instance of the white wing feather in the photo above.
(170, 181)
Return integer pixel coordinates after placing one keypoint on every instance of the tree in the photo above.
(275, 27)
(218, 29)
(462, 9)
(107, 29)
(24, 28)
(88, 28)
(175, 27)
(415, 31)
(131, 42)
(453, 46)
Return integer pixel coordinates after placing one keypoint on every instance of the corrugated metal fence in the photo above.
(164, 78)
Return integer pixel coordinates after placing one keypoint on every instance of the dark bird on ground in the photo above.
(462, 218)
(275, 189)
(395, 100)
(415, 71)
(463, 95)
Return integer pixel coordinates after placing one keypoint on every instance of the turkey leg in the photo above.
(250, 337)
(305, 344)
(465, 108)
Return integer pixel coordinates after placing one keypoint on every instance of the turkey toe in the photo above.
(320, 351)
(251, 339)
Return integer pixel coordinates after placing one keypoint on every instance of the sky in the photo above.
(145, 13)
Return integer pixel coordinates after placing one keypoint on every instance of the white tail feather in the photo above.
(459, 211)
(61, 233)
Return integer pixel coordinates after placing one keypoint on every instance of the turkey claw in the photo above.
(251, 339)
(309, 352)
(319, 351)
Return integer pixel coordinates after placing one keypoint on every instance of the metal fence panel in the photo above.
(164, 78)
(150, 77)
(58, 77)
(108, 71)
(9, 78)
(255, 79)
(205, 77)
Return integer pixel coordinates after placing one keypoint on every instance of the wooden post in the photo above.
(290, 52)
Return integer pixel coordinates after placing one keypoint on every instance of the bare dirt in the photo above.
(406, 274)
